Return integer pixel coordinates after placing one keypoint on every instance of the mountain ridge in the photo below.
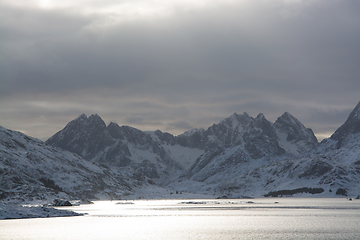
(239, 156)
(121, 146)
(332, 166)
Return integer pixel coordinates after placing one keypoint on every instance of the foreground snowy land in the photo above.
(240, 157)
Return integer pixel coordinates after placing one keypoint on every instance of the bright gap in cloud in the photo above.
(122, 10)
(147, 7)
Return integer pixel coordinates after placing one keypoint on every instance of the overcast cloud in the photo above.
(177, 65)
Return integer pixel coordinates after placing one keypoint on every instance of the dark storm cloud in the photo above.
(189, 68)
(216, 48)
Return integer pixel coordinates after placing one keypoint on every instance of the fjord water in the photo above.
(263, 218)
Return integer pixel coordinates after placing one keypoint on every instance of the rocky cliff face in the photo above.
(293, 136)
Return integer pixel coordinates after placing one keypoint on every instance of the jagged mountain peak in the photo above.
(288, 133)
(84, 124)
(237, 116)
(261, 122)
(262, 127)
(236, 119)
(82, 116)
(245, 117)
(83, 121)
(288, 117)
(114, 130)
(293, 136)
(246, 114)
(116, 146)
(112, 124)
(289, 120)
(350, 127)
(357, 111)
(260, 116)
(74, 135)
(96, 120)
(234, 115)
(94, 116)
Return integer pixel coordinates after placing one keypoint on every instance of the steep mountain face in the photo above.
(248, 138)
(31, 170)
(231, 172)
(122, 146)
(332, 167)
(259, 136)
(226, 133)
(349, 130)
(83, 136)
(293, 136)
(157, 154)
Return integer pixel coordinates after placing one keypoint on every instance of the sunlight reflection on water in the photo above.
(291, 218)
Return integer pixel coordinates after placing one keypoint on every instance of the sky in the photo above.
(177, 65)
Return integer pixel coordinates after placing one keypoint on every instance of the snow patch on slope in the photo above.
(288, 146)
(184, 156)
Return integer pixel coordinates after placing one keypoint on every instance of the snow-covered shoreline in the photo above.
(45, 210)
(13, 211)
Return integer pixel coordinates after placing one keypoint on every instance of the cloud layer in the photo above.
(177, 65)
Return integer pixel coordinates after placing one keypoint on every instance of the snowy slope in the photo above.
(332, 167)
(349, 130)
(158, 155)
(33, 171)
(161, 156)
(234, 174)
(293, 136)
(287, 134)
(247, 139)
(122, 147)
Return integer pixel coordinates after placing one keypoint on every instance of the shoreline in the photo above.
(28, 211)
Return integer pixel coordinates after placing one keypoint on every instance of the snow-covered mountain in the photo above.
(240, 156)
(331, 168)
(347, 135)
(123, 146)
(232, 173)
(258, 135)
(157, 154)
(293, 136)
(31, 170)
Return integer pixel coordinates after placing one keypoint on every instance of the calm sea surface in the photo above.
(263, 218)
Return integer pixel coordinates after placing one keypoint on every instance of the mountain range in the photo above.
(241, 156)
